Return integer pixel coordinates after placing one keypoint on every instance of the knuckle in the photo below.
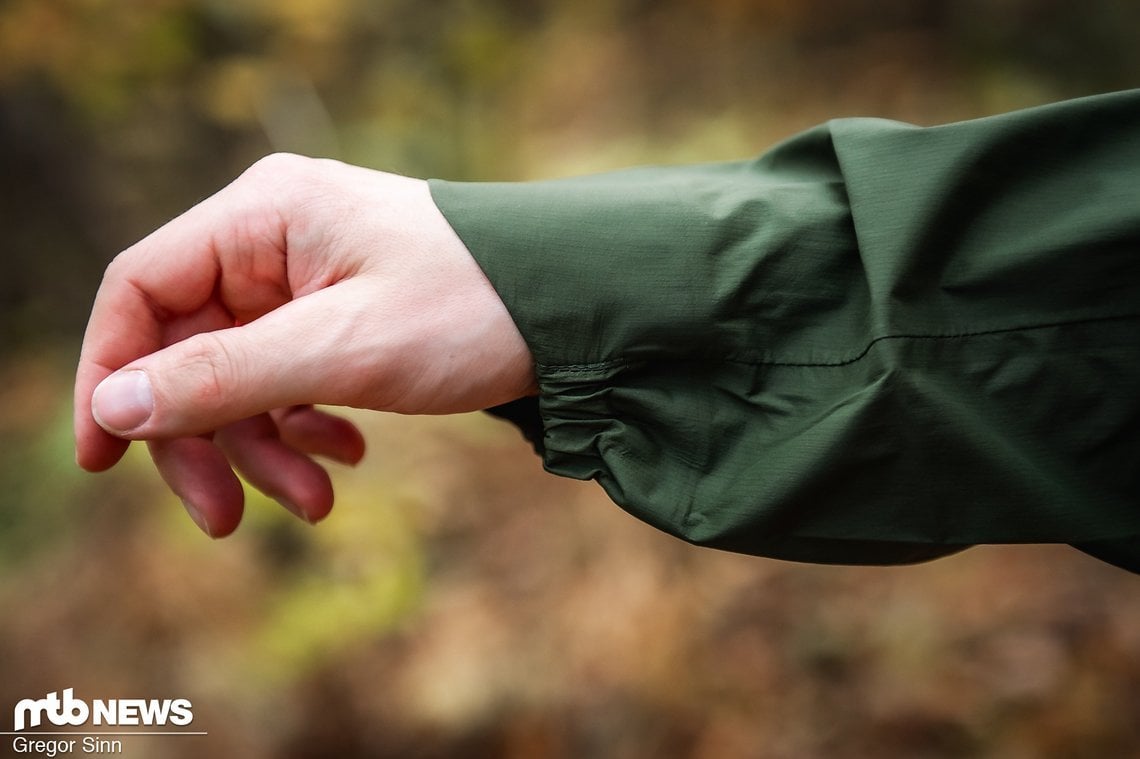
(276, 163)
(117, 268)
(278, 170)
(287, 181)
(209, 370)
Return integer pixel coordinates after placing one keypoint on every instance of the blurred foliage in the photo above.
(459, 602)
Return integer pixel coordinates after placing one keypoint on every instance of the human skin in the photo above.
(303, 282)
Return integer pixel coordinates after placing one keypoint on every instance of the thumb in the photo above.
(212, 379)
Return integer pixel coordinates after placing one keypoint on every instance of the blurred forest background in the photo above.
(459, 602)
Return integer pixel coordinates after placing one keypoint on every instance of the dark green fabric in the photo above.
(876, 343)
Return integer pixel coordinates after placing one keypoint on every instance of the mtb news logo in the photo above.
(36, 722)
(71, 711)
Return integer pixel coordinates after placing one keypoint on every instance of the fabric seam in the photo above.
(758, 361)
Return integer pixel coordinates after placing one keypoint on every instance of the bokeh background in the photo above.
(459, 602)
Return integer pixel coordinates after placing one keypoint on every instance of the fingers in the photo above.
(101, 407)
(96, 449)
(199, 473)
(270, 452)
(223, 259)
(306, 429)
(289, 477)
(292, 356)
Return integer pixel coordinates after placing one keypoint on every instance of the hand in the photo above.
(305, 281)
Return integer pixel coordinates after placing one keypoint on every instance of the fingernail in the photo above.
(196, 515)
(123, 401)
(295, 510)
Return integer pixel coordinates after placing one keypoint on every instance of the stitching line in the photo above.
(621, 362)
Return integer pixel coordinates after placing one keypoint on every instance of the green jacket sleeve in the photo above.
(876, 343)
